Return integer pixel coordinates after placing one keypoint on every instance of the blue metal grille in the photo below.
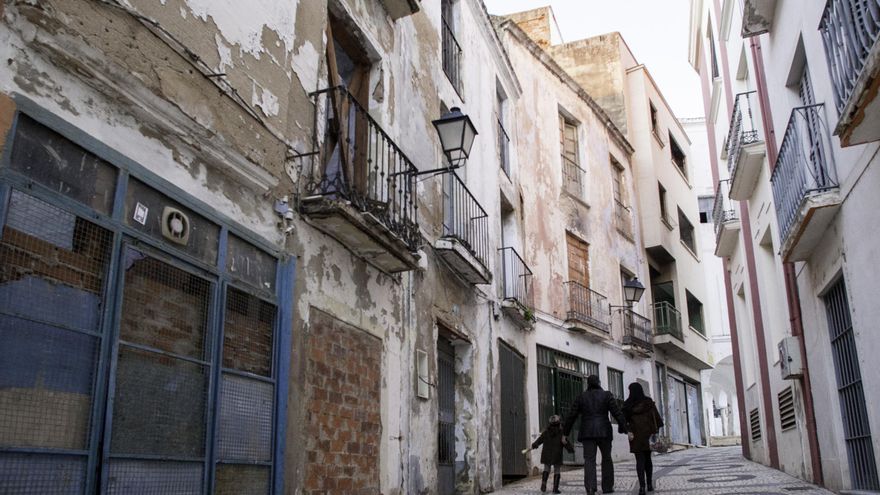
(145, 477)
(36, 474)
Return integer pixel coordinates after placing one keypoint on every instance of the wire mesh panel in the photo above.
(245, 419)
(146, 477)
(40, 474)
(247, 333)
(233, 479)
(52, 274)
(160, 397)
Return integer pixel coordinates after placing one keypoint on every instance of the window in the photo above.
(451, 48)
(568, 144)
(615, 386)
(712, 53)
(503, 137)
(654, 124)
(181, 376)
(664, 215)
(618, 184)
(695, 313)
(686, 232)
(706, 205)
(678, 156)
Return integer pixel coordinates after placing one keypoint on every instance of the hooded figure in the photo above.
(643, 420)
(551, 455)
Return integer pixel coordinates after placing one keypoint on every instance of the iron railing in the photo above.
(464, 219)
(805, 165)
(743, 130)
(587, 306)
(451, 56)
(362, 164)
(503, 148)
(623, 219)
(517, 278)
(723, 210)
(573, 176)
(667, 320)
(636, 330)
(850, 29)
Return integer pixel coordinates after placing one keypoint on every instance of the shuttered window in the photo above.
(787, 418)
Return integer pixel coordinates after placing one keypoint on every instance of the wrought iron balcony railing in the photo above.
(464, 219)
(361, 164)
(805, 165)
(850, 29)
(636, 330)
(723, 210)
(517, 278)
(587, 306)
(573, 176)
(667, 320)
(451, 57)
(623, 219)
(743, 130)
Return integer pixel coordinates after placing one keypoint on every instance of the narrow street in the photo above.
(716, 471)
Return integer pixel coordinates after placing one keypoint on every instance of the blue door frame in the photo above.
(106, 367)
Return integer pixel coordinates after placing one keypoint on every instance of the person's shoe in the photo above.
(641, 490)
(556, 483)
(544, 476)
(650, 485)
(591, 492)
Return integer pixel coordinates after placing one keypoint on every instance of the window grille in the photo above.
(787, 418)
(615, 383)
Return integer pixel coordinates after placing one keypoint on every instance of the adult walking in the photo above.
(642, 420)
(593, 407)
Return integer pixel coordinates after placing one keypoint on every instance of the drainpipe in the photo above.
(791, 288)
(731, 317)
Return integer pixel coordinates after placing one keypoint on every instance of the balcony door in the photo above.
(578, 261)
(815, 151)
(347, 142)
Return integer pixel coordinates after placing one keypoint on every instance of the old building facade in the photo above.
(787, 88)
(237, 259)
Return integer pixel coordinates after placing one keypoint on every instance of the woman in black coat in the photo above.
(643, 420)
(551, 455)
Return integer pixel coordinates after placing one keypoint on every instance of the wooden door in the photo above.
(578, 261)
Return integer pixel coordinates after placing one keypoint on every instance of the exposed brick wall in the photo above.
(343, 402)
(7, 110)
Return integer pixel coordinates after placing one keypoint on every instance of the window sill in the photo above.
(699, 333)
(576, 197)
(667, 223)
(658, 138)
(683, 175)
(688, 249)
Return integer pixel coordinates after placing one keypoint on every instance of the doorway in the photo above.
(514, 435)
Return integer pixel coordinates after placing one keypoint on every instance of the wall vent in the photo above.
(175, 225)
(787, 418)
(755, 422)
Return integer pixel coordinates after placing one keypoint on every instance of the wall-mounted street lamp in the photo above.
(632, 293)
(457, 134)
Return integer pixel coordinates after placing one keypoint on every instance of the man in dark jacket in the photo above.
(593, 407)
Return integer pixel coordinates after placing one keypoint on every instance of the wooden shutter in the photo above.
(578, 261)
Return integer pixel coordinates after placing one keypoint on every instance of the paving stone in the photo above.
(715, 471)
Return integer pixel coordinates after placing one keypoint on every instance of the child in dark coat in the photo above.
(551, 455)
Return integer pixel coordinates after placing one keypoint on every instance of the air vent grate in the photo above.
(787, 418)
(755, 422)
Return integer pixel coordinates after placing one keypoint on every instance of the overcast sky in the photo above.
(655, 30)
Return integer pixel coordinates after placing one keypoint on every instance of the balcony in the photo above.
(804, 183)
(637, 335)
(363, 194)
(757, 17)
(745, 147)
(465, 242)
(669, 337)
(517, 302)
(623, 219)
(726, 221)
(451, 57)
(850, 29)
(400, 8)
(588, 312)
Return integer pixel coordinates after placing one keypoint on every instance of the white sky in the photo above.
(655, 30)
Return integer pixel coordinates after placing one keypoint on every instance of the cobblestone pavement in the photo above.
(712, 471)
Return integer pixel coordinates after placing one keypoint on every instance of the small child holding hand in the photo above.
(551, 455)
